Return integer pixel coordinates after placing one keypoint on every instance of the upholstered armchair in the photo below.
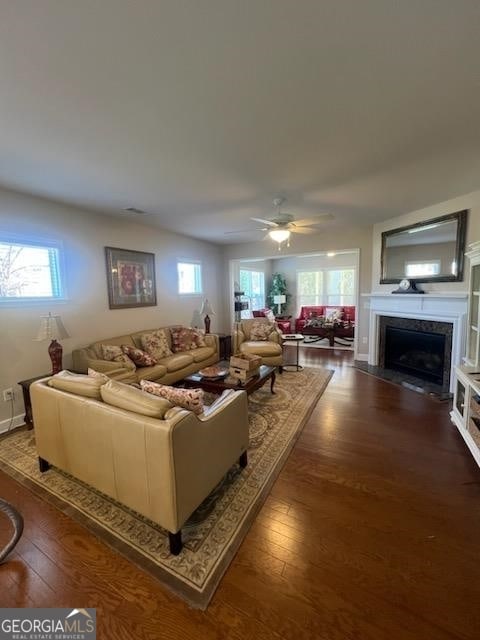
(245, 340)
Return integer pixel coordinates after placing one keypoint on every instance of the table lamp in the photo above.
(207, 311)
(279, 300)
(51, 328)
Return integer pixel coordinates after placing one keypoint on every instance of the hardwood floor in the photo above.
(372, 531)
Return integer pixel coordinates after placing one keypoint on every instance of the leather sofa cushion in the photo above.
(202, 353)
(127, 397)
(177, 361)
(78, 383)
(151, 373)
(261, 348)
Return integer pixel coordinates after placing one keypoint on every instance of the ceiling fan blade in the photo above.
(304, 222)
(246, 230)
(304, 230)
(270, 223)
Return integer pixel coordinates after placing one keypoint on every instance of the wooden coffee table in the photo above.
(316, 333)
(217, 386)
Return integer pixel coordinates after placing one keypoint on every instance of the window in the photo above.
(326, 287)
(341, 287)
(424, 268)
(252, 283)
(189, 277)
(29, 271)
(309, 288)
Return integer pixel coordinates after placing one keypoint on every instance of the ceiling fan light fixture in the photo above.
(279, 235)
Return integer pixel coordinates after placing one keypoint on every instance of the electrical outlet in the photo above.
(8, 395)
(364, 340)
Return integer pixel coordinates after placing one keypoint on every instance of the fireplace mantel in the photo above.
(443, 307)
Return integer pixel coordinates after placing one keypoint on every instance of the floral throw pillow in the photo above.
(191, 399)
(270, 315)
(113, 353)
(97, 374)
(182, 339)
(199, 337)
(332, 314)
(156, 344)
(139, 357)
(185, 339)
(261, 330)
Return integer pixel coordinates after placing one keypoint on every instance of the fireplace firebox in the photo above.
(417, 352)
(420, 348)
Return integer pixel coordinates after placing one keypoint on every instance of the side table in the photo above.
(225, 344)
(294, 337)
(25, 384)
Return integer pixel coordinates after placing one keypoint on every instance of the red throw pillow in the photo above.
(139, 357)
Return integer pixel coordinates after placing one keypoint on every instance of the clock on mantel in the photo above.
(407, 286)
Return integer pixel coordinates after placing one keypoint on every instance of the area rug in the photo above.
(217, 528)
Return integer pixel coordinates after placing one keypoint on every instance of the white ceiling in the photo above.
(201, 111)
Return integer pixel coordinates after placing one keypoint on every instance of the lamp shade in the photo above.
(51, 328)
(207, 309)
(280, 299)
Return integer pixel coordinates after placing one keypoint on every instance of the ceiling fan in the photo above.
(283, 224)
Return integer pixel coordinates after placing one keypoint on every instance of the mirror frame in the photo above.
(461, 218)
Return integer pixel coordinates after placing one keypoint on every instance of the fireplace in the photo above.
(444, 312)
(419, 348)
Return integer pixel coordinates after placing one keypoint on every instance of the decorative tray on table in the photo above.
(214, 372)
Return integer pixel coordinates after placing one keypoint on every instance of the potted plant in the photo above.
(278, 287)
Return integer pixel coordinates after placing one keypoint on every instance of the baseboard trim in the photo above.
(17, 421)
(363, 357)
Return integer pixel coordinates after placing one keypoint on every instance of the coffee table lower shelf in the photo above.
(197, 381)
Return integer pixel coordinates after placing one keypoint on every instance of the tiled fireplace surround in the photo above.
(439, 307)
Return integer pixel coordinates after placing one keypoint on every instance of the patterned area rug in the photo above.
(217, 528)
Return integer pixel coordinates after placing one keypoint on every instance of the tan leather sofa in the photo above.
(161, 468)
(168, 370)
(269, 350)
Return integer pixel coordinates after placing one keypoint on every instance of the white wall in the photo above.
(85, 313)
(352, 237)
(290, 266)
(470, 201)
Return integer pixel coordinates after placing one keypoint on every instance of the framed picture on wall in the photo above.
(130, 278)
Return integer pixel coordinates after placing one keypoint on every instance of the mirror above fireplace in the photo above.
(429, 251)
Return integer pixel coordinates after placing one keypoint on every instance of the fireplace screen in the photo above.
(417, 352)
(421, 348)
